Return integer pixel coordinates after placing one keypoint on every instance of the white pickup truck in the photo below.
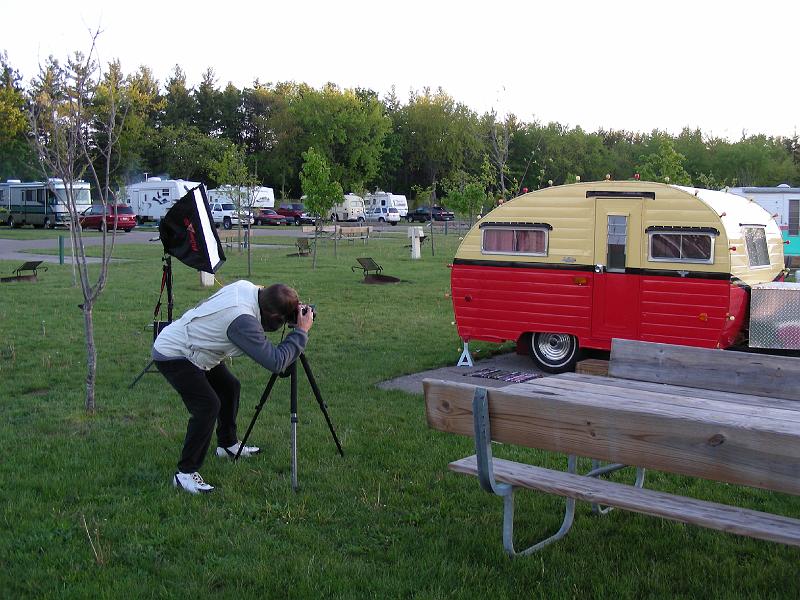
(224, 214)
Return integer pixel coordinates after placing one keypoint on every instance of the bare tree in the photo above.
(75, 120)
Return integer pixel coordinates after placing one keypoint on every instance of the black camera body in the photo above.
(306, 308)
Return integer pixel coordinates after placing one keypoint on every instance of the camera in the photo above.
(304, 311)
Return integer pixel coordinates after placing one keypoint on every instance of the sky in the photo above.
(727, 68)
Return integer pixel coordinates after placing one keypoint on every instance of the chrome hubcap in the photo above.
(554, 346)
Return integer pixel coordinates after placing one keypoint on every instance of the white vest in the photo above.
(200, 335)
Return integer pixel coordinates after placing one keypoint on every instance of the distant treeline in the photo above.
(430, 143)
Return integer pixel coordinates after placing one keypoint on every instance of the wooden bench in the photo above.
(646, 420)
(231, 239)
(352, 234)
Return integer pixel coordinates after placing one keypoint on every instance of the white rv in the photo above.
(388, 200)
(351, 208)
(783, 203)
(263, 197)
(41, 203)
(152, 199)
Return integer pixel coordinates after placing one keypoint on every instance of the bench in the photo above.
(27, 271)
(353, 233)
(303, 247)
(229, 240)
(675, 411)
(367, 265)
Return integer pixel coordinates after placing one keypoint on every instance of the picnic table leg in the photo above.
(597, 471)
(483, 450)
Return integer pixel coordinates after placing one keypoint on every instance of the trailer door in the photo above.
(617, 251)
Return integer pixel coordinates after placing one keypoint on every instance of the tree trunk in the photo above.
(91, 357)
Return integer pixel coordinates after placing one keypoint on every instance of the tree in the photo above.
(235, 179)
(663, 163)
(17, 158)
(65, 128)
(320, 190)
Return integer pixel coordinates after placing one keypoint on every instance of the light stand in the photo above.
(166, 281)
(291, 371)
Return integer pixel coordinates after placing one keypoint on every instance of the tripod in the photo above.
(291, 371)
(166, 281)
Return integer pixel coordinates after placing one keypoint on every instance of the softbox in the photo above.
(187, 232)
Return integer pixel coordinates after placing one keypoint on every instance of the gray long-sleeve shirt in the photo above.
(246, 332)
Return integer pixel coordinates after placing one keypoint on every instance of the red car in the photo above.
(92, 217)
(267, 216)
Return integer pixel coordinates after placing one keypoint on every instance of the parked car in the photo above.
(267, 216)
(92, 217)
(295, 212)
(382, 214)
(224, 213)
(423, 213)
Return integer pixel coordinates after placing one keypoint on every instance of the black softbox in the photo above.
(187, 232)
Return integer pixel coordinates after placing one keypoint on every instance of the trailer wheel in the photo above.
(47, 224)
(226, 223)
(554, 352)
(10, 221)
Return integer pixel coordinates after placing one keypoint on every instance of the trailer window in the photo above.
(682, 247)
(756, 242)
(505, 240)
(794, 217)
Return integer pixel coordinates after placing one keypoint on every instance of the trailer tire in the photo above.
(10, 221)
(554, 352)
(226, 223)
(47, 223)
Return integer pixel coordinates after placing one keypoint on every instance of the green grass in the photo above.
(386, 521)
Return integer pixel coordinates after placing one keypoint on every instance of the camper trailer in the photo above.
(152, 199)
(388, 200)
(351, 208)
(574, 266)
(41, 203)
(783, 203)
(254, 198)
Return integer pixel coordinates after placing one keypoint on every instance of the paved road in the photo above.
(21, 249)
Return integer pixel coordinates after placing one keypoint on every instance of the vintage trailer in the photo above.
(574, 266)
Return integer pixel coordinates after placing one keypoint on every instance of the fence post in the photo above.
(61, 249)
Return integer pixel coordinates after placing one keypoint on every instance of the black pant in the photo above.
(211, 397)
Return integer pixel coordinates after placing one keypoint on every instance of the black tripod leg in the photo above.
(323, 407)
(264, 397)
(140, 375)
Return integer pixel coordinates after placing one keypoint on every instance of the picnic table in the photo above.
(632, 418)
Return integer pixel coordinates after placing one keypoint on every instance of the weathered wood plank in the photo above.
(738, 372)
(760, 452)
(698, 393)
(721, 517)
(665, 397)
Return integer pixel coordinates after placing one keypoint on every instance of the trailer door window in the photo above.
(507, 240)
(756, 242)
(617, 242)
(794, 217)
(682, 247)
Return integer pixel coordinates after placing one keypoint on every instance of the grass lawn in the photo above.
(386, 521)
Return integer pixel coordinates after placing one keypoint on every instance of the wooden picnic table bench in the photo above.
(640, 416)
(353, 233)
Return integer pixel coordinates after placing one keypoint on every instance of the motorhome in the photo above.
(41, 203)
(388, 200)
(783, 203)
(574, 266)
(254, 198)
(151, 199)
(351, 208)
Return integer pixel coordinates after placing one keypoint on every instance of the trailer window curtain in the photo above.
(756, 242)
(682, 247)
(794, 217)
(507, 240)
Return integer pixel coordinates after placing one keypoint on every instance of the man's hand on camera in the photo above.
(305, 317)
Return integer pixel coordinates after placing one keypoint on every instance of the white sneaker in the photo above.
(191, 482)
(230, 451)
